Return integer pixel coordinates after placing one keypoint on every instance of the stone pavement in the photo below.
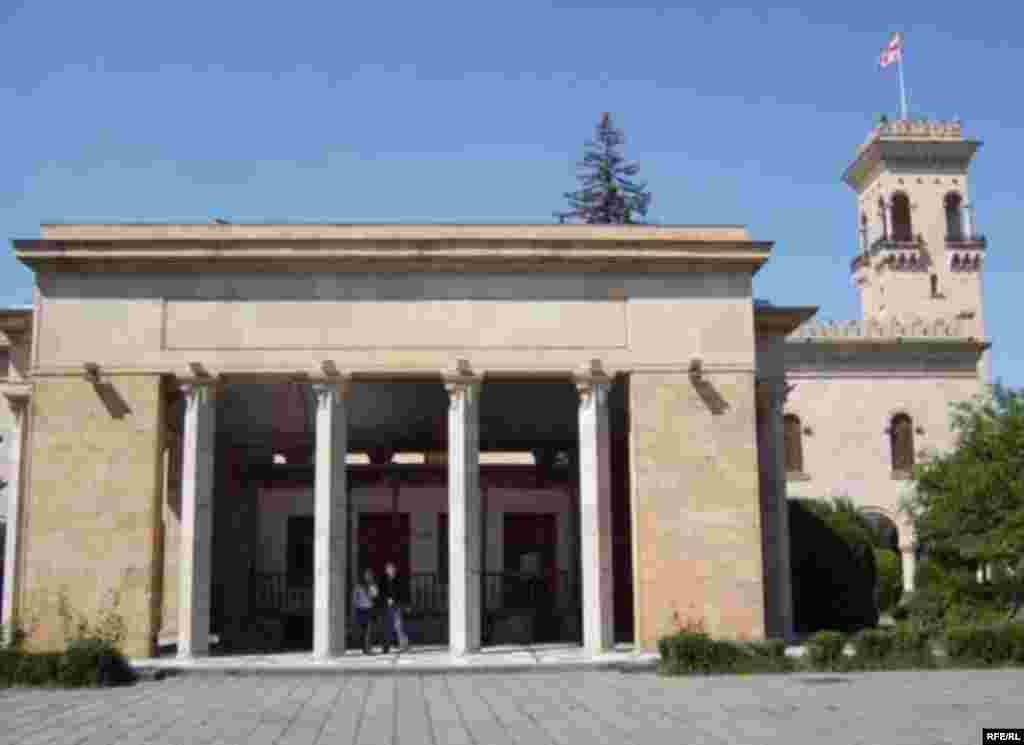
(590, 707)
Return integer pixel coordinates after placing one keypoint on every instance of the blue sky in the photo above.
(477, 112)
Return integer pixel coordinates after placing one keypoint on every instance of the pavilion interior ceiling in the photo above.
(406, 416)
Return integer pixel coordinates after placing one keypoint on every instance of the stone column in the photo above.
(909, 566)
(195, 569)
(596, 512)
(20, 406)
(771, 398)
(330, 500)
(464, 539)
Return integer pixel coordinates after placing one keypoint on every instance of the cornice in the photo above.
(547, 250)
(15, 321)
(905, 142)
(770, 320)
(229, 374)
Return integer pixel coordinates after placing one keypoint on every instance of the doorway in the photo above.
(384, 537)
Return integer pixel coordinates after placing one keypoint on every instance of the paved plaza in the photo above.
(591, 707)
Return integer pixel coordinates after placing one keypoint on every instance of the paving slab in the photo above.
(585, 707)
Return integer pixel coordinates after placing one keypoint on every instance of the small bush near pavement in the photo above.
(873, 647)
(911, 648)
(20, 668)
(696, 653)
(825, 650)
(94, 662)
(985, 646)
(91, 655)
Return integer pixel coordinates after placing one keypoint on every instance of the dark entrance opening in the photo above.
(532, 580)
(384, 537)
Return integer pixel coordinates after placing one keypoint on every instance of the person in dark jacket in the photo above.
(394, 589)
(364, 597)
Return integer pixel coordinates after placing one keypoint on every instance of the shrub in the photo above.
(689, 652)
(696, 653)
(981, 645)
(825, 650)
(890, 578)
(88, 662)
(1015, 641)
(926, 610)
(911, 648)
(873, 647)
(9, 660)
(767, 656)
(37, 669)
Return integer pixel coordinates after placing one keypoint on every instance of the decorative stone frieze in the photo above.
(967, 259)
(894, 328)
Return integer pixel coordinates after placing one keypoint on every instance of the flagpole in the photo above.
(903, 93)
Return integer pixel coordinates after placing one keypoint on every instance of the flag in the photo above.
(892, 52)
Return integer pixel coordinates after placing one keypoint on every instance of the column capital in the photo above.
(199, 390)
(460, 380)
(18, 397)
(591, 378)
(333, 389)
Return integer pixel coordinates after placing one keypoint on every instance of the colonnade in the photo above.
(330, 505)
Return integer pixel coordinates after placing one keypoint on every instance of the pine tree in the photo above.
(606, 194)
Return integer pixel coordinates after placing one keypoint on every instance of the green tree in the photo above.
(606, 193)
(968, 507)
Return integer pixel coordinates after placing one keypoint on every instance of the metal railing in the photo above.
(272, 594)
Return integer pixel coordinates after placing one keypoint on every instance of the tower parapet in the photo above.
(916, 130)
(892, 328)
(918, 253)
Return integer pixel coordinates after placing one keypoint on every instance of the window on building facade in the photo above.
(793, 444)
(954, 226)
(901, 228)
(901, 441)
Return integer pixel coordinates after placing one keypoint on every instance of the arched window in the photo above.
(935, 285)
(954, 225)
(901, 441)
(793, 444)
(901, 230)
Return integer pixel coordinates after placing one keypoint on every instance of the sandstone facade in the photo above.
(175, 377)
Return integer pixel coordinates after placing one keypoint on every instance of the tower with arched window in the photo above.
(919, 253)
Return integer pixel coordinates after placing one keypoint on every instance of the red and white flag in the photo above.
(892, 52)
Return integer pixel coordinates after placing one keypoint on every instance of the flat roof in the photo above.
(388, 231)
(382, 247)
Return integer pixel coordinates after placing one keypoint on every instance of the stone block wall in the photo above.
(92, 516)
(695, 505)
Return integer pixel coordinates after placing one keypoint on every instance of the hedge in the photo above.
(980, 645)
(696, 653)
(825, 650)
(88, 662)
